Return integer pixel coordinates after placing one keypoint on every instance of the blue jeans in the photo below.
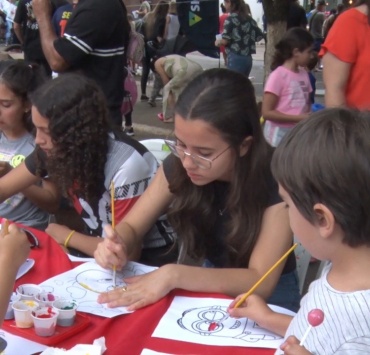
(286, 293)
(240, 63)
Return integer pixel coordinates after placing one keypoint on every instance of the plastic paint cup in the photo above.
(46, 298)
(28, 291)
(44, 321)
(10, 312)
(67, 312)
(22, 313)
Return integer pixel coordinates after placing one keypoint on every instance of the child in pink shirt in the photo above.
(286, 98)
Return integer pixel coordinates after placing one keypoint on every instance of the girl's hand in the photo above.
(111, 251)
(141, 290)
(254, 307)
(291, 347)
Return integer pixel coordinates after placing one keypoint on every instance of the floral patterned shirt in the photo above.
(241, 35)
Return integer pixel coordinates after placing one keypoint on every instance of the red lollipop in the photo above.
(315, 317)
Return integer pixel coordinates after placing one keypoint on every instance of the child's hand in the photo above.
(291, 347)
(15, 246)
(254, 307)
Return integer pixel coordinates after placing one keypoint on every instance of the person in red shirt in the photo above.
(346, 58)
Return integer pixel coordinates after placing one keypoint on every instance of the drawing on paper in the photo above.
(84, 283)
(197, 320)
(189, 318)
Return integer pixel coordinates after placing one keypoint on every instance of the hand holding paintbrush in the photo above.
(242, 299)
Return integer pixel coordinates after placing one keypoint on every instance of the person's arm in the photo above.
(79, 241)
(45, 197)
(14, 249)
(269, 111)
(117, 248)
(42, 12)
(274, 240)
(18, 32)
(335, 75)
(168, 20)
(16, 180)
(255, 308)
(221, 42)
(159, 68)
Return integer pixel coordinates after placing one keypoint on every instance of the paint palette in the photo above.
(61, 333)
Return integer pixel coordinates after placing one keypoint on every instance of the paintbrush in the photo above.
(113, 226)
(214, 325)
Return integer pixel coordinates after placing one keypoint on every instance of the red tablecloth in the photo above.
(128, 334)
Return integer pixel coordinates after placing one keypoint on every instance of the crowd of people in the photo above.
(232, 192)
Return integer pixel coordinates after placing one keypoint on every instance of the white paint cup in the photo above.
(46, 298)
(45, 321)
(22, 313)
(28, 291)
(67, 312)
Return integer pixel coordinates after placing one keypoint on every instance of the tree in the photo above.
(276, 18)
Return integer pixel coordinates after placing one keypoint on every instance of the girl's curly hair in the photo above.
(78, 126)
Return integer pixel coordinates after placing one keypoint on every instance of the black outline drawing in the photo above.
(198, 320)
(85, 286)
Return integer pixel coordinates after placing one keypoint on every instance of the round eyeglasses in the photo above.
(198, 160)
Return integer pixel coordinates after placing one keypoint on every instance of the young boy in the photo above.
(323, 170)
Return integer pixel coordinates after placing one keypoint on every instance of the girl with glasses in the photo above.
(220, 197)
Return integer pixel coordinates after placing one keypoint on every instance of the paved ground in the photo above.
(145, 121)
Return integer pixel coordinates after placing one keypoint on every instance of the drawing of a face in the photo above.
(198, 320)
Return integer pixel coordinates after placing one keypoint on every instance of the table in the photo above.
(130, 333)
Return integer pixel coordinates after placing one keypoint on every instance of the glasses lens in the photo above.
(201, 162)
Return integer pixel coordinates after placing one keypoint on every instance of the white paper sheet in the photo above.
(25, 267)
(85, 282)
(188, 319)
(19, 345)
(152, 352)
(78, 258)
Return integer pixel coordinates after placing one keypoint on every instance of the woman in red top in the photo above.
(346, 58)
